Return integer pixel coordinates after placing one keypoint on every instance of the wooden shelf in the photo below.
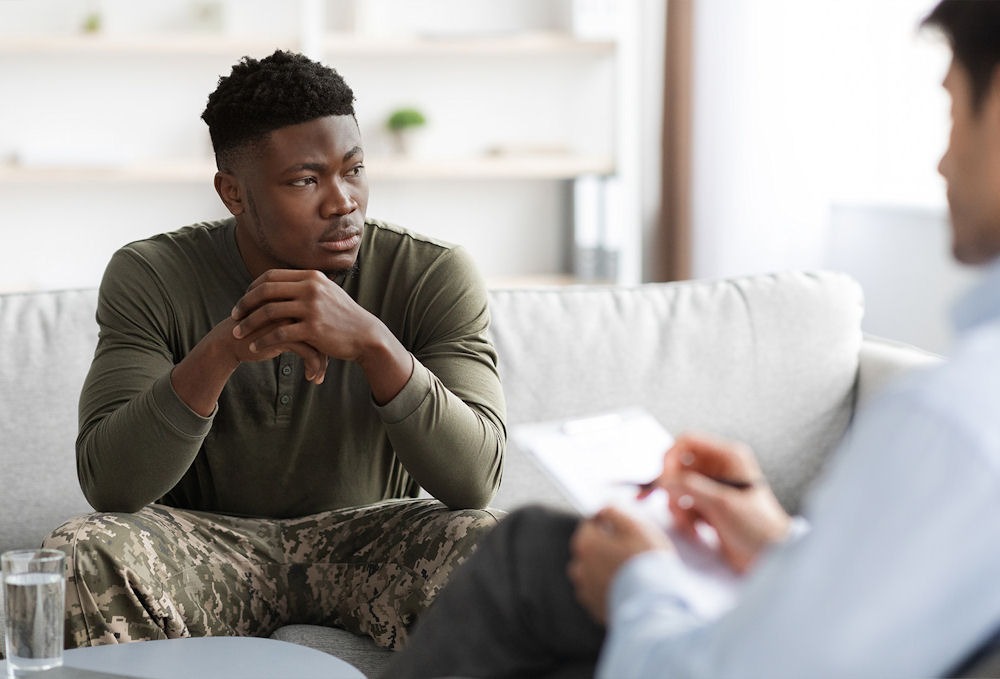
(385, 168)
(340, 45)
(206, 44)
(528, 44)
(542, 166)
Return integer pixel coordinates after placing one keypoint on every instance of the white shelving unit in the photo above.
(516, 116)
(514, 167)
(537, 43)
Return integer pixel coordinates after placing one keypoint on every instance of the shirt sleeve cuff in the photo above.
(661, 578)
(646, 608)
(655, 570)
(177, 413)
(406, 402)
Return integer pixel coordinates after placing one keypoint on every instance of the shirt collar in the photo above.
(982, 302)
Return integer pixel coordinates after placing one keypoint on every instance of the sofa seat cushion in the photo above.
(361, 652)
(770, 360)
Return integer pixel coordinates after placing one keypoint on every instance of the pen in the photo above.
(738, 484)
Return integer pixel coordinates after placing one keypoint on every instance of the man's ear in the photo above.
(228, 188)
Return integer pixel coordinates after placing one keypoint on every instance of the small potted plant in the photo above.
(402, 124)
(91, 23)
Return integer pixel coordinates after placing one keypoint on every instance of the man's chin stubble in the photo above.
(346, 273)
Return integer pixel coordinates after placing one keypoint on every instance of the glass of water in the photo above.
(34, 586)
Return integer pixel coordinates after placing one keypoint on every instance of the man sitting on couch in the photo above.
(896, 576)
(267, 389)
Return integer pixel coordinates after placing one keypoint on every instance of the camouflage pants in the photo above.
(166, 573)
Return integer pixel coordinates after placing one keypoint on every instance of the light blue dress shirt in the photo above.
(899, 575)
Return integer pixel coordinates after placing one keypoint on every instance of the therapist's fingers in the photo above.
(747, 521)
(710, 456)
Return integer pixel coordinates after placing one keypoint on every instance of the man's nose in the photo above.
(338, 199)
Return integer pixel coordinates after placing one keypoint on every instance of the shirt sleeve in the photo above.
(893, 578)
(447, 424)
(137, 438)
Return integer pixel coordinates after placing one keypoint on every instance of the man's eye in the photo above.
(304, 181)
(356, 170)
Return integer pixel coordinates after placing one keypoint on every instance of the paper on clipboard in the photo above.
(594, 459)
(597, 461)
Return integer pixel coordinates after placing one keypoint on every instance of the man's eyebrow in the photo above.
(312, 167)
(320, 167)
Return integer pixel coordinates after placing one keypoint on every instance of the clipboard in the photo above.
(598, 460)
(595, 459)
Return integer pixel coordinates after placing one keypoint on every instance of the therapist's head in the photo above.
(971, 164)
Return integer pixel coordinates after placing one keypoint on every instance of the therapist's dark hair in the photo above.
(972, 27)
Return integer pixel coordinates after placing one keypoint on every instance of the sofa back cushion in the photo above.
(770, 360)
(48, 343)
(767, 359)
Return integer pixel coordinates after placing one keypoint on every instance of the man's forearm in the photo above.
(199, 378)
(135, 454)
(453, 449)
(387, 365)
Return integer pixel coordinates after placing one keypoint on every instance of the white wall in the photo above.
(760, 133)
(817, 130)
(902, 258)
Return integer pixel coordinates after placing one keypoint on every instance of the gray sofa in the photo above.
(779, 361)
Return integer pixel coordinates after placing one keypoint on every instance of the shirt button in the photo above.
(285, 398)
(286, 370)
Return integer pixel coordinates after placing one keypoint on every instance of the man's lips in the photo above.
(340, 242)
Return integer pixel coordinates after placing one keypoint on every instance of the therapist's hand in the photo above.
(747, 520)
(599, 548)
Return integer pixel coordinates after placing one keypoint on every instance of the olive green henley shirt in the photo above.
(277, 445)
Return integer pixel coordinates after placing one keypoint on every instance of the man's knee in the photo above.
(91, 543)
(473, 524)
(89, 538)
(449, 535)
(99, 546)
(133, 576)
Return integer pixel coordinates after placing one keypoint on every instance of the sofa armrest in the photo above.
(882, 360)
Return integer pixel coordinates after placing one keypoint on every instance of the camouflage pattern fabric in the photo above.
(166, 573)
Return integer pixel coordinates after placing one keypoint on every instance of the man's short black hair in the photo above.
(260, 96)
(973, 30)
